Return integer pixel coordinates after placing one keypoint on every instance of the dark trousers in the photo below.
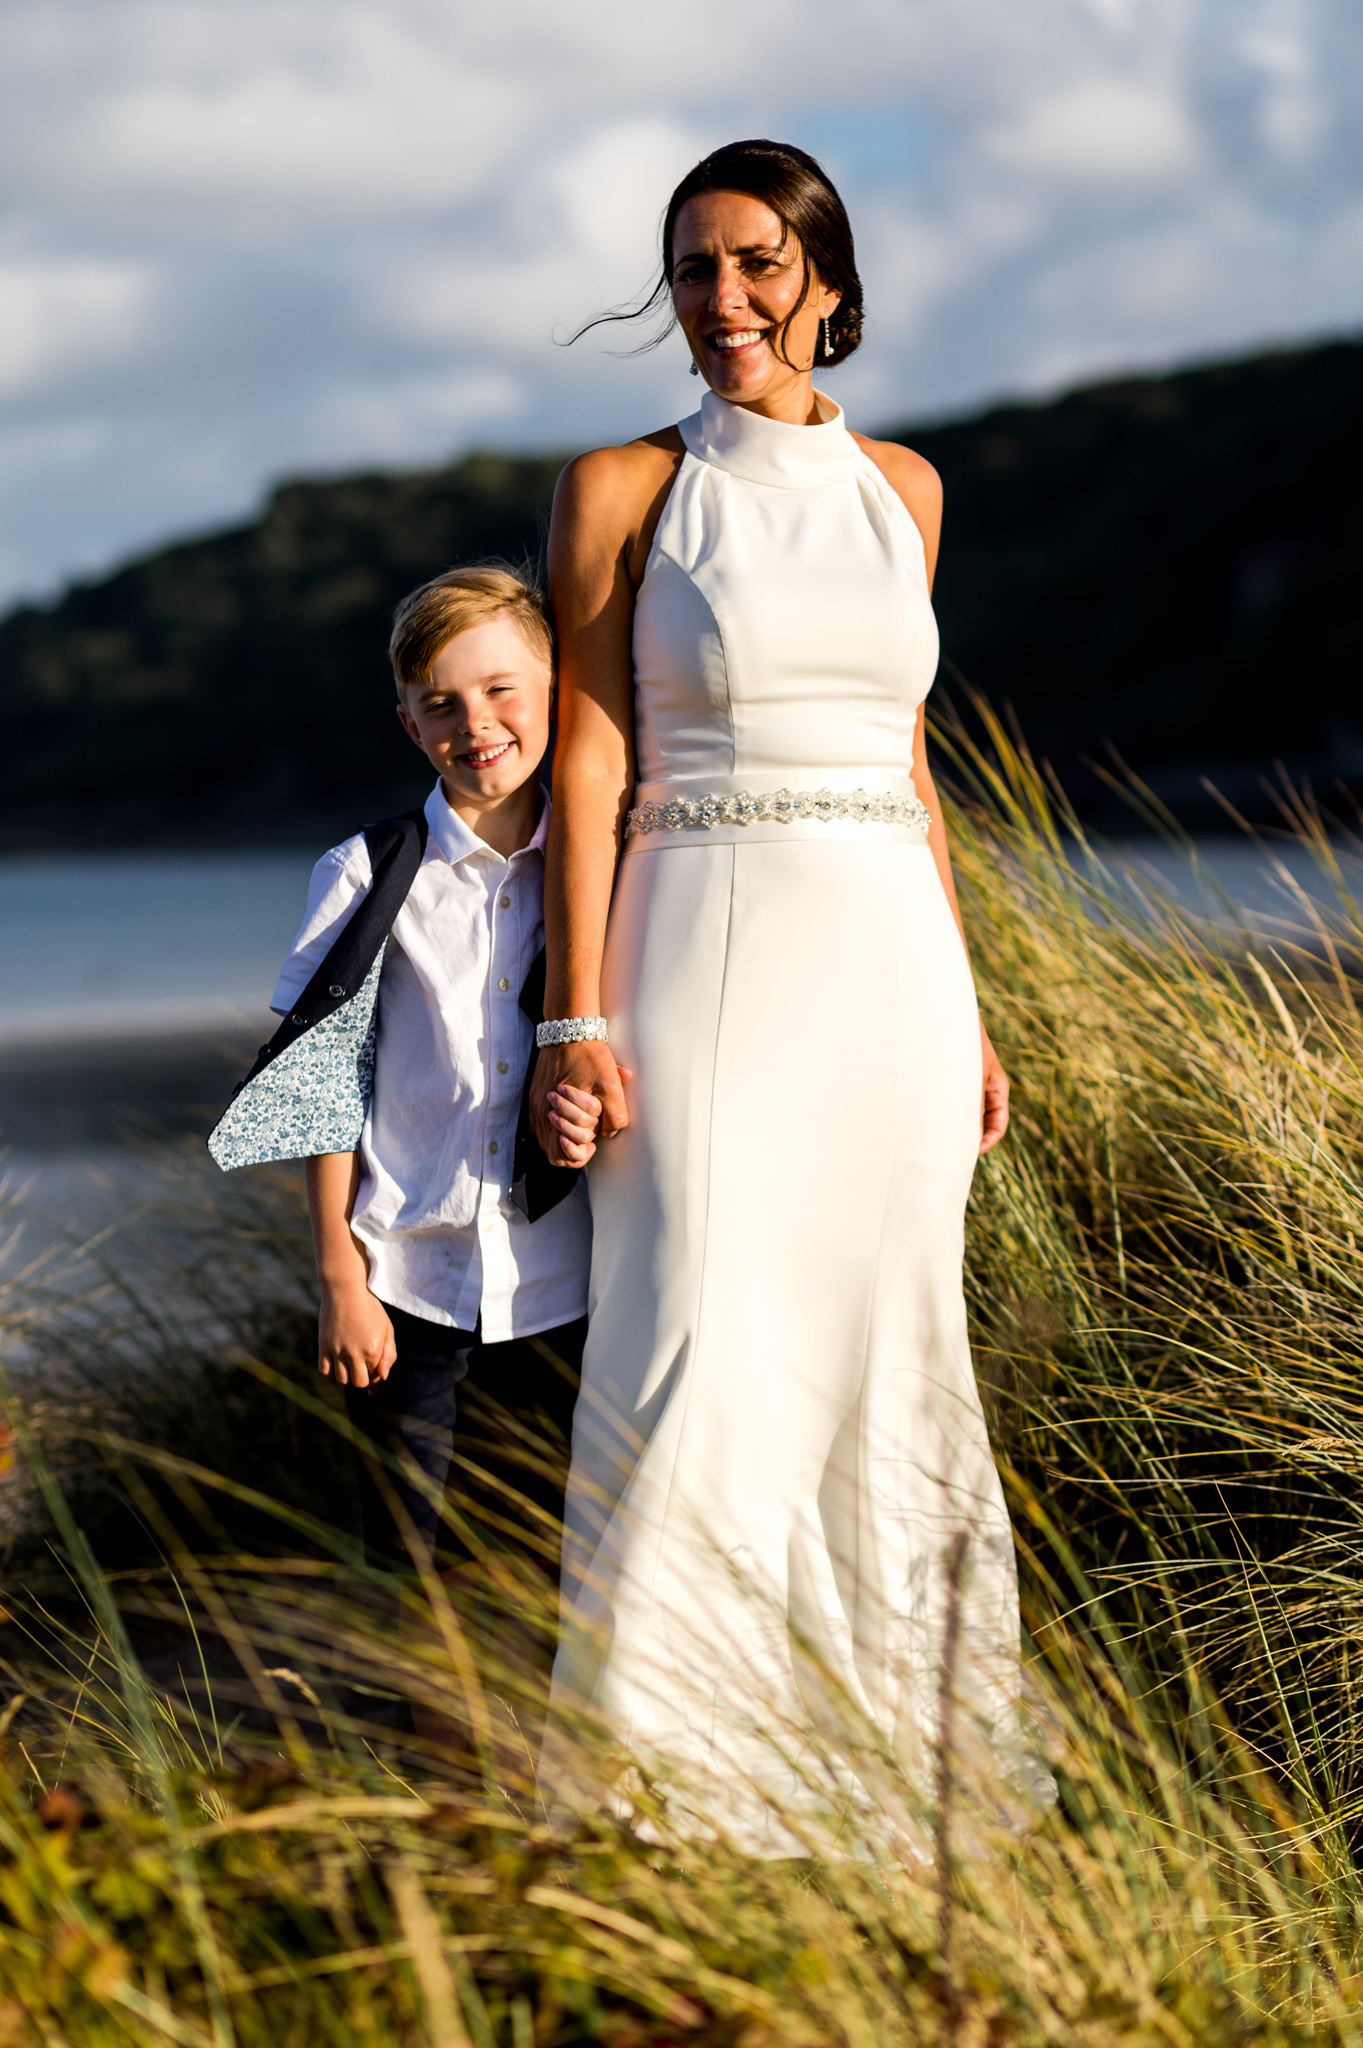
(500, 1413)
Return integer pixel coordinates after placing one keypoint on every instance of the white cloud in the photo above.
(255, 236)
(61, 316)
(1293, 112)
(1103, 128)
(583, 232)
(389, 128)
(407, 416)
(613, 185)
(913, 260)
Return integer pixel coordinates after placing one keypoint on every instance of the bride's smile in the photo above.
(727, 339)
(749, 301)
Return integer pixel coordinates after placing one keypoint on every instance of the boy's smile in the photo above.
(483, 757)
(482, 719)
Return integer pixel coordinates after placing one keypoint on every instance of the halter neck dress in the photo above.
(779, 1432)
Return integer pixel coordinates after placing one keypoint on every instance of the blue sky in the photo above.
(244, 239)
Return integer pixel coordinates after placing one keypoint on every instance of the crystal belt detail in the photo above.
(778, 806)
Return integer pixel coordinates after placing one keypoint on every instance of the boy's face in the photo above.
(482, 719)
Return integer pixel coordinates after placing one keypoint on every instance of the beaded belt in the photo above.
(779, 806)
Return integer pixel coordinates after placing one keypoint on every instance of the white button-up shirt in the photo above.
(433, 1210)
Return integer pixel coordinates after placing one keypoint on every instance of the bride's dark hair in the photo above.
(803, 197)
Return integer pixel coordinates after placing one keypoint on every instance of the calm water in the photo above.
(136, 986)
(119, 946)
(135, 989)
(105, 945)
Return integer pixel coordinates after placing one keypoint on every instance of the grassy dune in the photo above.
(213, 1827)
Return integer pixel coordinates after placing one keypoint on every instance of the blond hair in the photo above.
(428, 619)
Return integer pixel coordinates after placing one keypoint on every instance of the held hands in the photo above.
(576, 1097)
(993, 1097)
(574, 1114)
(355, 1343)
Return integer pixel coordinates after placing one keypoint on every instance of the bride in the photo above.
(756, 964)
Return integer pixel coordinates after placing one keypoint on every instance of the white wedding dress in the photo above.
(780, 1431)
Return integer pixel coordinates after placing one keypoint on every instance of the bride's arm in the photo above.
(994, 1094)
(601, 511)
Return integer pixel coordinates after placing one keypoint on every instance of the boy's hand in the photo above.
(575, 1115)
(355, 1342)
(595, 1079)
(587, 1067)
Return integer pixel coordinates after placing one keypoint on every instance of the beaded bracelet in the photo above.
(568, 1030)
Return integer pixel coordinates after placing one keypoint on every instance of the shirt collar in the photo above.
(457, 842)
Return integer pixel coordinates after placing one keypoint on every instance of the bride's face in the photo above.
(737, 274)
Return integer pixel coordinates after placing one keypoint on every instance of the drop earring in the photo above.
(827, 339)
(695, 367)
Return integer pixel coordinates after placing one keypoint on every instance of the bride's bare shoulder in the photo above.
(612, 498)
(617, 478)
(911, 474)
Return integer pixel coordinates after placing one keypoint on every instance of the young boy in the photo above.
(431, 1281)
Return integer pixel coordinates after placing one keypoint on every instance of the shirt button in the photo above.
(504, 903)
(502, 1067)
(489, 1223)
(493, 1146)
(503, 984)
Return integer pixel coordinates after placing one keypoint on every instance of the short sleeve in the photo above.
(339, 878)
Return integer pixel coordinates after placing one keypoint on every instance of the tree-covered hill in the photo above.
(1173, 565)
(1168, 564)
(237, 686)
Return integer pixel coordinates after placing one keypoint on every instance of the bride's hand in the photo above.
(586, 1064)
(993, 1097)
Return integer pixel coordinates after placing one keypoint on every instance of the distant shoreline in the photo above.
(74, 1094)
(38, 1033)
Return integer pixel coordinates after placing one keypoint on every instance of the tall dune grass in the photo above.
(235, 1839)
(1164, 1258)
